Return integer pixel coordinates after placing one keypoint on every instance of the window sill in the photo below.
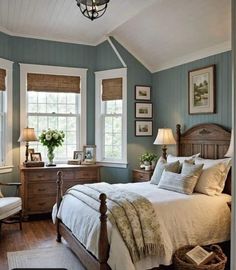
(113, 164)
(6, 169)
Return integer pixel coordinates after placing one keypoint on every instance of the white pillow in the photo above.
(178, 182)
(213, 177)
(171, 158)
(160, 167)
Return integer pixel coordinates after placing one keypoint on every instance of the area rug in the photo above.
(54, 257)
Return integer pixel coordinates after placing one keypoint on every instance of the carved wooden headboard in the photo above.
(211, 140)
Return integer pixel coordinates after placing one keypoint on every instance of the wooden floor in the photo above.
(38, 234)
(35, 234)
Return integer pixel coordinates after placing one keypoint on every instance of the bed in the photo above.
(211, 141)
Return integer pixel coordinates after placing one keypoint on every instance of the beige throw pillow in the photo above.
(214, 174)
(178, 182)
(160, 167)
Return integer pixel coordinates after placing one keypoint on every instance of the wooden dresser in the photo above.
(38, 189)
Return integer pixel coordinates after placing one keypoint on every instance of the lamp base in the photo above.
(164, 149)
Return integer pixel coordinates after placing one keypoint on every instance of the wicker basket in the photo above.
(181, 263)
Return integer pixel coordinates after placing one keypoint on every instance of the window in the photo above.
(56, 99)
(5, 116)
(111, 117)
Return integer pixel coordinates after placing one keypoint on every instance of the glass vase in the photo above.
(50, 156)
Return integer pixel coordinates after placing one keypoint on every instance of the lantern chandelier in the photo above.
(92, 9)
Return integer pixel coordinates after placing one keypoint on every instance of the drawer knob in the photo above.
(41, 189)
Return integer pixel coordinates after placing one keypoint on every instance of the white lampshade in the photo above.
(230, 151)
(27, 135)
(165, 137)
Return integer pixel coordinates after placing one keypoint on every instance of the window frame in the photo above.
(99, 76)
(54, 70)
(8, 152)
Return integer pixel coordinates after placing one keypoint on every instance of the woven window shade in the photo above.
(112, 89)
(53, 83)
(2, 79)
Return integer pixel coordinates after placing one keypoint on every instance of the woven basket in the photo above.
(181, 263)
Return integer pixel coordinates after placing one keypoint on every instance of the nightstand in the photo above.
(142, 175)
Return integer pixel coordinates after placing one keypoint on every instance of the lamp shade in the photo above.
(230, 151)
(27, 135)
(165, 136)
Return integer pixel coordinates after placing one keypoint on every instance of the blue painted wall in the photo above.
(169, 90)
(170, 94)
(101, 57)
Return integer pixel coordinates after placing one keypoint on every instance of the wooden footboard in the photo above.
(86, 257)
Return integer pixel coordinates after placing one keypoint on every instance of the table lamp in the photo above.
(230, 151)
(27, 135)
(164, 137)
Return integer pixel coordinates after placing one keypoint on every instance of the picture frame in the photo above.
(35, 157)
(142, 92)
(89, 154)
(30, 150)
(202, 90)
(143, 110)
(78, 155)
(143, 128)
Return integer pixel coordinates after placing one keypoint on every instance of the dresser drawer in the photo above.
(41, 205)
(141, 176)
(42, 176)
(42, 188)
(86, 174)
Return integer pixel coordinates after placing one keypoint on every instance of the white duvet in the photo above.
(184, 220)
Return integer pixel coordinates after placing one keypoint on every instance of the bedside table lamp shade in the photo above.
(164, 137)
(27, 135)
(230, 151)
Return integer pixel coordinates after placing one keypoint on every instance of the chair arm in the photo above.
(10, 184)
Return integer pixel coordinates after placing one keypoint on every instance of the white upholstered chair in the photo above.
(10, 207)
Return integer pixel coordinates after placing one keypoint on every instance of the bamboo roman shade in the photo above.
(112, 89)
(2, 79)
(53, 83)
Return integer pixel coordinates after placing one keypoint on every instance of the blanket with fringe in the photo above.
(132, 214)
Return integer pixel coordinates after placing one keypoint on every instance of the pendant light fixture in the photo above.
(92, 9)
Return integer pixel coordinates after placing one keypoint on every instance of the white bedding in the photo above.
(184, 220)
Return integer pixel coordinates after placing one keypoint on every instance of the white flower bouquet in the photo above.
(52, 138)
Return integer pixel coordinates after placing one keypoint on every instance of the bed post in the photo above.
(59, 198)
(178, 133)
(103, 245)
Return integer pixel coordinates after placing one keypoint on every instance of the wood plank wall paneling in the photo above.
(170, 89)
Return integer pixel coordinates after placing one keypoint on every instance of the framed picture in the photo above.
(143, 128)
(89, 153)
(201, 84)
(78, 155)
(142, 92)
(35, 157)
(143, 110)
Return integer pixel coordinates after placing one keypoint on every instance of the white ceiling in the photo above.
(160, 33)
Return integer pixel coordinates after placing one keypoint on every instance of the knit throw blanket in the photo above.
(132, 214)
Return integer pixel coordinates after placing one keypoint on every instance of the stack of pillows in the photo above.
(191, 174)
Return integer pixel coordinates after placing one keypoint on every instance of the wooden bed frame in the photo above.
(211, 140)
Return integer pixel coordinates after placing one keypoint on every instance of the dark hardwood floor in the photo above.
(35, 234)
(39, 233)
